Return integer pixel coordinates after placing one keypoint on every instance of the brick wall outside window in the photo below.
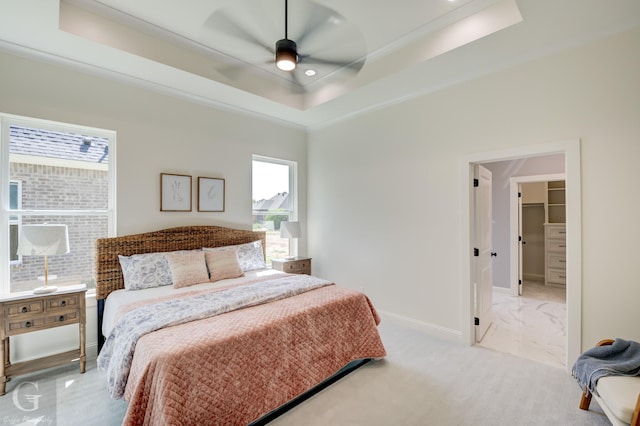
(62, 188)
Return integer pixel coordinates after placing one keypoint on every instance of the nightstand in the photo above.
(25, 312)
(298, 265)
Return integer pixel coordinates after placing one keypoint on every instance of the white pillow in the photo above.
(250, 255)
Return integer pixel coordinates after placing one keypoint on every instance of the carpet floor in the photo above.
(423, 381)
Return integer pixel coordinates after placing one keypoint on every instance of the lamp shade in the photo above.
(43, 240)
(290, 230)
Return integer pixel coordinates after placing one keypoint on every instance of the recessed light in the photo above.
(310, 73)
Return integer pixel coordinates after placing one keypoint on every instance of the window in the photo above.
(57, 174)
(15, 203)
(274, 200)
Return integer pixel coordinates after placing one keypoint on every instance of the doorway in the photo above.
(529, 316)
(571, 151)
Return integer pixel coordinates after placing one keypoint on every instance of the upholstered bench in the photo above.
(618, 396)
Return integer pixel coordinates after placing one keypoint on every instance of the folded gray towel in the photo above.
(622, 358)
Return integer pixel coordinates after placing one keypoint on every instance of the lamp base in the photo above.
(44, 290)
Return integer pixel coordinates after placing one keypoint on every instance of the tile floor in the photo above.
(531, 326)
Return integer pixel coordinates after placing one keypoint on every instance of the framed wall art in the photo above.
(210, 194)
(175, 193)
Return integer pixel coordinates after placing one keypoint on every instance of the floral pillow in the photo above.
(147, 270)
(250, 255)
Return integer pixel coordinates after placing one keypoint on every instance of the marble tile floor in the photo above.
(531, 326)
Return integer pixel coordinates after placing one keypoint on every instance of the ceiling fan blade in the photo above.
(352, 65)
(297, 85)
(319, 17)
(222, 21)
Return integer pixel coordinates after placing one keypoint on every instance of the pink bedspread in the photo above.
(233, 368)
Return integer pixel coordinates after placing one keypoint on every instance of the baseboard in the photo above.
(92, 350)
(431, 329)
(533, 277)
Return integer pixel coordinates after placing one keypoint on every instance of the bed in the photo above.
(230, 352)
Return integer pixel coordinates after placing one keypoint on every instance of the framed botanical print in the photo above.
(210, 194)
(175, 193)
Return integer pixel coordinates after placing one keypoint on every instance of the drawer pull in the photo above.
(562, 261)
(61, 318)
(27, 324)
(63, 303)
(24, 310)
(562, 246)
(562, 276)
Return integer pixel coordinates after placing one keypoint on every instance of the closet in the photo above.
(533, 220)
(544, 232)
(555, 241)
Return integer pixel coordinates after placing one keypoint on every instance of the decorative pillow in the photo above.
(147, 270)
(187, 268)
(223, 264)
(250, 255)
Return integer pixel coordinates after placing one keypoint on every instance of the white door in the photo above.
(521, 242)
(483, 244)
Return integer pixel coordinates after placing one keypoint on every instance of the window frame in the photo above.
(8, 120)
(18, 220)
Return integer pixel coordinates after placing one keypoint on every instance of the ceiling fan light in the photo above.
(286, 54)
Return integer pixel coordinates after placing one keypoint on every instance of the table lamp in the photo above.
(290, 230)
(44, 240)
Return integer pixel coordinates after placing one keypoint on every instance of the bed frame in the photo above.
(109, 274)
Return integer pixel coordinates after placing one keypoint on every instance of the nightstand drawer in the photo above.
(41, 323)
(27, 308)
(297, 267)
(293, 266)
(63, 302)
(28, 324)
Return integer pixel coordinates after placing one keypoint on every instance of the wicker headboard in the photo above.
(108, 271)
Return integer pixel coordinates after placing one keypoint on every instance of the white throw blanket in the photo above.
(117, 353)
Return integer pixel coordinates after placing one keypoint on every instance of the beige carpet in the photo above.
(423, 381)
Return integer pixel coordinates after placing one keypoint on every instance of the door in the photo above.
(483, 260)
(521, 242)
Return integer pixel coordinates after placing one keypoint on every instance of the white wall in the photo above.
(384, 201)
(155, 134)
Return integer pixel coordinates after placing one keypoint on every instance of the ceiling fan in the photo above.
(323, 42)
(286, 50)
